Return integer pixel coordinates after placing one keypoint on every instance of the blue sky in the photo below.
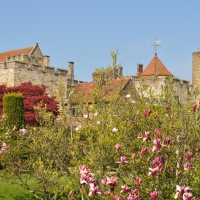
(85, 31)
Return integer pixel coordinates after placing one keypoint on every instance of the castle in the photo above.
(30, 65)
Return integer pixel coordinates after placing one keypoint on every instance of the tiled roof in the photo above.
(17, 52)
(155, 67)
(83, 91)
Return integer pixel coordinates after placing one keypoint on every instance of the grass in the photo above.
(14, 192)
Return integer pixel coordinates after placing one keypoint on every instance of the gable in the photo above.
(36, 52)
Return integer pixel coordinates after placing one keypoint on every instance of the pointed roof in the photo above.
(26, 51)
(156, 67)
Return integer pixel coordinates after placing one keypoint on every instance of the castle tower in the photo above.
(196, 69)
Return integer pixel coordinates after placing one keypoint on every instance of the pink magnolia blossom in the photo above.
(186, 166)
(138, 181)
(143, 151)
(4, 145)
(188, 155)
(14, 128)
(194, 107)
(155, 116)
(70, 193)
(1, 152)
(167, 107)
(157, 144)
(158, 133)
(123, 160)
(180, 190)
(94, 190)
(154, 195)
(104, 182)
(112, 181)
(145, 112)
(23, 131)
(187, 196)
(117, 146)
(125, 188)
(134, 192)
(146, 138)
(84, 169)
(153, 171)
(116, 197)
(134, 155)
(139, 136)
(167, 141)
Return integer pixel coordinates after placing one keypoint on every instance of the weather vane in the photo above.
(157, 44)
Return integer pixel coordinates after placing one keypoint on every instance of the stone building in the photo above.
(30, 65)
(155, 76)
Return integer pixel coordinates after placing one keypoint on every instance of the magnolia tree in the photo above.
(116, 149)
(128, 150)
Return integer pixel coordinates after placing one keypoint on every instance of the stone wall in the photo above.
(196, 69)
(16, 72)
(156, 84)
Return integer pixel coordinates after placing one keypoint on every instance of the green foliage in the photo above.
(13, 109)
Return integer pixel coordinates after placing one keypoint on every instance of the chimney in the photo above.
(139, 69)
(96, 76)
(46, 61)
(70, 74)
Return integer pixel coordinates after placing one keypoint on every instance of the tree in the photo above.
(32, 94)
(13, 109)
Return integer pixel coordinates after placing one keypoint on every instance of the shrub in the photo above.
(13, 109)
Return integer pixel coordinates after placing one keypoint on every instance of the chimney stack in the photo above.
(120, 71)
(139, 69)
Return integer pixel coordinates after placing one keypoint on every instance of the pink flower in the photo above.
(181, 190)
(70, 193)
(188, 155)
(146, 138)
(84, 169)
(4, 145)
(94, 190)
(123, 160)
(143, 151)
(104, 182)
(158, 133)
(167, 141)
(134, 192)
(117, 146)
(14, 128)
(145, 112)
(112, 181)
(139, 136)
(155, 116)
(187, 196)
(138, 181)
(1, 152)
(157, 145)
(194, 107)
(186, 166)
(153, 195)
(116, 197)
(125, 188)
(23, 131)
(167, 107)
(153, 171)
(134, 155)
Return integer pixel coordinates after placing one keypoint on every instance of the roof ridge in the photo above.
(16, 49)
